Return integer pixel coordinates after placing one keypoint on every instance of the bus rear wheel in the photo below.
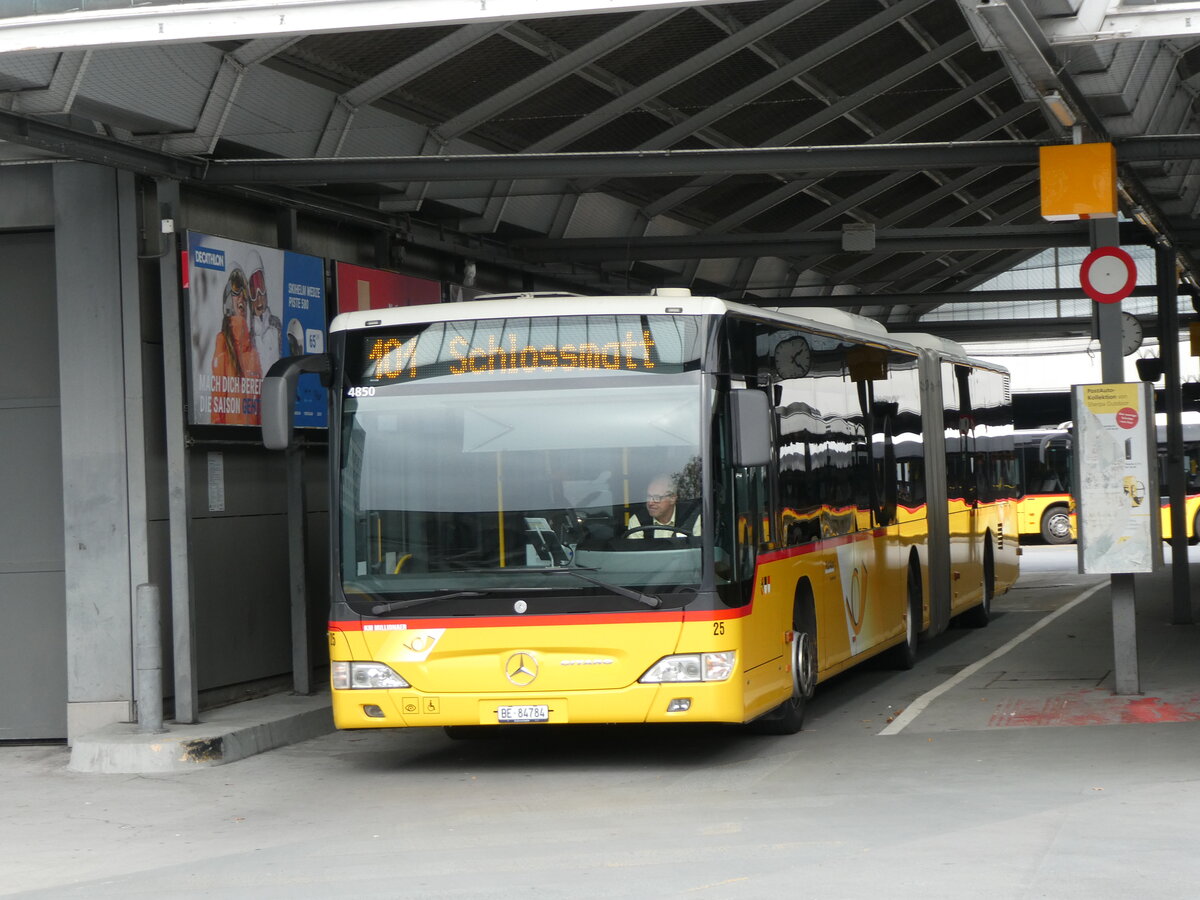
(1056, 525)
(979, 616)
(904, 656)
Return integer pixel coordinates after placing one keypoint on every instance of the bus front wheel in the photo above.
(788, 717)
(1056, 525)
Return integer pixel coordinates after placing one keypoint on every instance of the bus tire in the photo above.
(1056, 525)
(1194, 537)
(788, 717)
(904, 656)
(979, 616)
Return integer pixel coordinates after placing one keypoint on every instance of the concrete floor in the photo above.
(1001, 766)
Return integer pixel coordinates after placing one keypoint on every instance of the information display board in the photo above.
(1116, 478)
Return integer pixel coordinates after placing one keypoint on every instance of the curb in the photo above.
(225, 735)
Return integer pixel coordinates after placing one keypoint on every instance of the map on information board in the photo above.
(1116, 490)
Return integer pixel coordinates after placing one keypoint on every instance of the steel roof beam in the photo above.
(561, 63)
(72, 144)
(797, 68)
(639, 94)
(1010, 29)
(794, 133)
(947, 222)
(345, 106)
(851, 272)
(788, 244)
(905, 299)
(636, 164)
(883, 139)
(59, 95)
(653, 164)
(222, 95)
(555, 71)
(794, 70)
(931, 282)
(540, 166)
(1097, 21)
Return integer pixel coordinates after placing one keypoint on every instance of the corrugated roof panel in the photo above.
(473, 76)
(360, 55)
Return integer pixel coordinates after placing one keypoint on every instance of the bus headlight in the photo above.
(352, 675)
(691, 667)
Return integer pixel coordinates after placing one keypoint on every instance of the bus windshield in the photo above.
(522, 491)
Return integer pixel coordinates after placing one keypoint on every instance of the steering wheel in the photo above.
(675, 532)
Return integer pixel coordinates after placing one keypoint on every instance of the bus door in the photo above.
(968, 464)
(742, 502)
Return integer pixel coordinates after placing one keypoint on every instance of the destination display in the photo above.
(503, 347)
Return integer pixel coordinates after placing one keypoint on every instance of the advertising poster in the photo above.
(246, 306)
(1117, 481)
(360, 288)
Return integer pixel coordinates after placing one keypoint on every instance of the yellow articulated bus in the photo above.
(644, 509)
(1045, 508)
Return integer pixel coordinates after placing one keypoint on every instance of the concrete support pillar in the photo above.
(103, 471)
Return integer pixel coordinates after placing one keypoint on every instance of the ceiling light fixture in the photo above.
(1058, 108)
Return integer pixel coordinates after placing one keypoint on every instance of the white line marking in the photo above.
(918, 706)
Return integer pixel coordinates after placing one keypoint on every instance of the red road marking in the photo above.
(1093, 708)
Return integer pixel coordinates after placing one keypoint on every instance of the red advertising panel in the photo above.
(361, 288)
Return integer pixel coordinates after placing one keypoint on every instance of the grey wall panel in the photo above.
(32, 605)
(254, 480)
(242, 603)
(33, 703)
(243, 612)
(31, 520)
(29, 340)
(211, 214)
(26, 198)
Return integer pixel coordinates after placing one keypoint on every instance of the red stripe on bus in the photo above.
(817, 546)
(516, 621)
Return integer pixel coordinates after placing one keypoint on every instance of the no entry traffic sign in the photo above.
(1108, 274)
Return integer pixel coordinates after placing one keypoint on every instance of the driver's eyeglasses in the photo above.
(658, 498)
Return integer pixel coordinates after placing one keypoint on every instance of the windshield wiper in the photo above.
(417, 601)
(648, 599)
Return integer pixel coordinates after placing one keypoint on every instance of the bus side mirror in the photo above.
(751, 413)
(279, 395)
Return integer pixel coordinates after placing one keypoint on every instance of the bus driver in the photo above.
(662, 506)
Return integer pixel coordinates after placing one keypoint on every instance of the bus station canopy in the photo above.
(879, 155)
